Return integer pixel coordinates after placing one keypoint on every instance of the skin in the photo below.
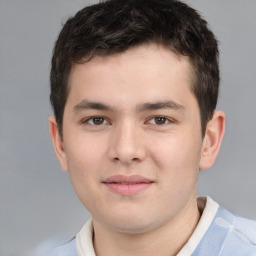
(148, 124)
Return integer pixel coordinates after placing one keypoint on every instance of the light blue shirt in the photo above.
(224, 235)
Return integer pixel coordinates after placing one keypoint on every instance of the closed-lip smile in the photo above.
(127, 185)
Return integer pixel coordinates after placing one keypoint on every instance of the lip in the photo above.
(127, 185)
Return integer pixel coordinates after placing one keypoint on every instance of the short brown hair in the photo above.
(114, 26)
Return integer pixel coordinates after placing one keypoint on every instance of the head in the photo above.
(114, 26)
(134, 88)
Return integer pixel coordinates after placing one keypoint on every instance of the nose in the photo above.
(127, 145)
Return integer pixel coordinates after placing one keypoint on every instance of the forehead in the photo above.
(145, 72)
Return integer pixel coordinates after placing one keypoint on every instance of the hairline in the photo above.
(191, 71)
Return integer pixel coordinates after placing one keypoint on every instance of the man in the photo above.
(134, 87)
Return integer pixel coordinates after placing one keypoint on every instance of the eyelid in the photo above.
(149, 120)
(168, 119)
(88, 119)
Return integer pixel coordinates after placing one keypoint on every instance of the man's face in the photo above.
(132, 138)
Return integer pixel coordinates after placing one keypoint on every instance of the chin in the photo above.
(132, 224)
(132, 229)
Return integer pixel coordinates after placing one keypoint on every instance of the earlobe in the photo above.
(57, 143)
(212, 140)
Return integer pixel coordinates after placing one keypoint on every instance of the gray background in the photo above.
(36, 198)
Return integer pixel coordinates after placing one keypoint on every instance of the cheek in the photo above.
(177, 154)
(83, 153)
(85, 162)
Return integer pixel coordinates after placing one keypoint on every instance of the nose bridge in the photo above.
(127, 143)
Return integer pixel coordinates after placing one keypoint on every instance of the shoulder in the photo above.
(65, 249)
(225, 234)
(242, 227)
(246, 226)
(237, 235)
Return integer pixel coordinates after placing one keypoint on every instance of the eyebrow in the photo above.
(169, 104)
(86, 104)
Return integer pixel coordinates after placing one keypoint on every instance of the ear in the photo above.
(57, 143)
(212, 140)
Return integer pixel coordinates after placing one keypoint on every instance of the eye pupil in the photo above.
(160, 120)
(98, 120)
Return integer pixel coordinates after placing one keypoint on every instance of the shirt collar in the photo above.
(208, 208)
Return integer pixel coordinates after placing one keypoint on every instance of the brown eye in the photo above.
(160, 120)
(98, 120)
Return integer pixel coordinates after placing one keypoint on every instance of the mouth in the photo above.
(127, 185)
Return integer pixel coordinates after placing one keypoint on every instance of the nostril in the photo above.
(127, 161)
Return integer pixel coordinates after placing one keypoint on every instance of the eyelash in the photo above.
(102, 120)
(160, 118)
(91, 120)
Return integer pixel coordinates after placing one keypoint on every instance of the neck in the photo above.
(167, 239)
